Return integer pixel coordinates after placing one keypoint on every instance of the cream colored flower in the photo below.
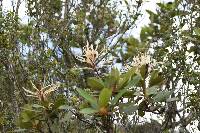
(41, 93)
(143, 59)
(90, 55)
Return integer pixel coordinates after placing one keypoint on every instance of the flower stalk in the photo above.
(41, 93)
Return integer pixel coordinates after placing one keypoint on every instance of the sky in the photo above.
(144, 20)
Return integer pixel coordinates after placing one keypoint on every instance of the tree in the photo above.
(47, 85)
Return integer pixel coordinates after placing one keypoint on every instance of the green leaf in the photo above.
(161, 5)
(95, 83)
(129, 94)
(122, 83)
(88, 97)
(152, 90)
(152, 16)
(134, 81)
(126, 2)
(197, 31)
(84, 105)
(130, 109)
(64, 107)
(162, 96)
(28, 109)
(25, 117)
(66, 117)
(124, 78)
(104, 97)
(145, 33)
(88, 111)
(31, 110)
(141, 113)
(131, 42)
(155, 79)
(113, 78)
(172, 99)
(37, 106)
(137, 93)
(115, 73)
(143, 71)
(118, 96)
(142, 107)
(19, 130)
(59, 102)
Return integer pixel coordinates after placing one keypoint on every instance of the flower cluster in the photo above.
(41, 93)
(143, 59)
(90, 55)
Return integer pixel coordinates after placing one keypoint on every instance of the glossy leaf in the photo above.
(152, 90)
(88, 111)
(134, 81)
(162, 96)
(155, 79)
(64, 107)
(88, 97)
(118, 96)
(104, 97)
(95, 83)
(130, 109)
(113, 78)
(124, 78)
(122, 83)
(115, 74)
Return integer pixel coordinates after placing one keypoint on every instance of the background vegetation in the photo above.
(73, 68)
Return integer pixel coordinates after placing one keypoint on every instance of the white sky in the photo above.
(144, 20)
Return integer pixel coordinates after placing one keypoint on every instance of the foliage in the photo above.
(72, 67)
